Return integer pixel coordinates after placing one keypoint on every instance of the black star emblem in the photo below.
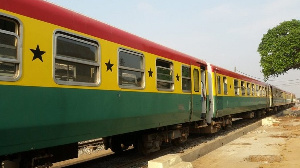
(177, 76)
(150, 73)
(37, 53)
(109, 66)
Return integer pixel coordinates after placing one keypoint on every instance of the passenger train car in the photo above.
(66, 78)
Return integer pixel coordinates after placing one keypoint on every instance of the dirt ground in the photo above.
(275, 144)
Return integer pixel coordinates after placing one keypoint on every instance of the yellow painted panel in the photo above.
(38, 73)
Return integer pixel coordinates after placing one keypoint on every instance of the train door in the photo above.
(203, 92)
(198, 94)
(211, 88)
(195, 113)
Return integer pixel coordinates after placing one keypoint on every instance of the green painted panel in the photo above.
(37, 117)
(225, 105)
(279, 101)
(197, 108)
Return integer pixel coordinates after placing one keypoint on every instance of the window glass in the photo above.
(9, 48)
(8, 25)
(236, 87)
(8, 45)
(164, 74)
(225, 85)
(186, 78)
(130, 59)
(8, 69)
(257, 91)
(76, 60)
(131, 69)
(243, 88)
(253, 90)
(72, 71)
(196, 80)
(219, 84)
(164, 85)
(260, 91)
(71, 47)
(248, 89)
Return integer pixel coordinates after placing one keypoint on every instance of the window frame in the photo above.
(18, 34)
(82, 39)
(225, 85)
(257, 90)
(219, 86)
(186, 78)
(253, 89)
(248, 89)
(243, 88)
(164, 81)
(260, 91)
(132, 69)
(196, 82)
(236, 87)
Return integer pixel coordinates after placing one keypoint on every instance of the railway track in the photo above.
(131, 158)
(90, 143)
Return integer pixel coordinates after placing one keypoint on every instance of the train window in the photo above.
(236, 87)
(165, 75)
(260, 91)
(10, 49)
(243, 88)
(219, 84)
(186, 78)
(248, 89)
(257, 90)
(225, 85)
(196, 80)
(253, 90)
(131, 69)
(76, 60)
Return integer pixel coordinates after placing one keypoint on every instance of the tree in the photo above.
(280, 49)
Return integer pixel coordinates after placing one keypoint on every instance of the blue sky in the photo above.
(225, 33)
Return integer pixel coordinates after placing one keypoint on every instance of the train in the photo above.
(66, 78)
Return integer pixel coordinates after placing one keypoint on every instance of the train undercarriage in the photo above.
(42, 158)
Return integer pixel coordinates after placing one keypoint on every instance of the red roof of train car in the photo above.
(51, 13)
(235, 75)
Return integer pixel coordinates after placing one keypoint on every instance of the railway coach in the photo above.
(66, 78)
(232, 95)
(280, 99)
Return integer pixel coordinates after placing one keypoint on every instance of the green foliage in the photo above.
(280, 49)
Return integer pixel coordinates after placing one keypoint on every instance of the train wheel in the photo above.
(180, 140)
(177, 141)
(258, 114)
(26, 163)
(115, 145)
(19, 162)
(10, 164)
(227, 122)
(141, 148)
(142, 151)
